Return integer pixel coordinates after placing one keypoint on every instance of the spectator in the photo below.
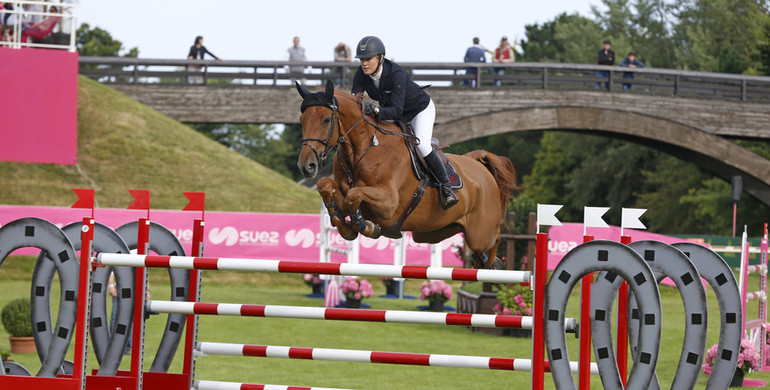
(606, 57)
(295, 54)
(503, 55)
(474, 54)
(197, 52)
(630, 62)
(341, 54)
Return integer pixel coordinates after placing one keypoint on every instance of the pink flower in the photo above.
(498, 306)
(528, 311)
(357, 295)
(506, 311)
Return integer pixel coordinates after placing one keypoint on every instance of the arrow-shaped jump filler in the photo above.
(592, 217)
(546, 215)
(629, 219)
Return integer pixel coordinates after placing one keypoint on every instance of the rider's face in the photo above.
(368, 65)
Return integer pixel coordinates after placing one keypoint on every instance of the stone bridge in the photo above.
(691, 115)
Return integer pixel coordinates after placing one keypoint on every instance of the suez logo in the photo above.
(561, 246)
(229, 236)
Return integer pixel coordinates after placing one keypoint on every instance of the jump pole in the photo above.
(299, 267)
(358, 356)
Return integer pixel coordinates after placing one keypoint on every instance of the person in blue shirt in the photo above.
(403, 100)
(474, 53)
(630, 62)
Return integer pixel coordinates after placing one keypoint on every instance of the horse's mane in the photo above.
(338, 93)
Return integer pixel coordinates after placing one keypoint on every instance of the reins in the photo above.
(342, 139)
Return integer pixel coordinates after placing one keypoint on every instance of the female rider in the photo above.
(400, 99)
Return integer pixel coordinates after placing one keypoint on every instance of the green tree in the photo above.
(97, 42)
(264, 144)
(705, 27)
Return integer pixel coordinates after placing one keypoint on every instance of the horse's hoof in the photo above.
(496, 265)
(350, 237)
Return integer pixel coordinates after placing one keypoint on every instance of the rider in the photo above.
(400, 99)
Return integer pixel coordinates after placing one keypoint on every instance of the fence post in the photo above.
(610, 80)
(545, 82)
(275, 75)
(205, 74)
(676, 85)
(743, 90)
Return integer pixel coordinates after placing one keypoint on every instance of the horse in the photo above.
(374, 185)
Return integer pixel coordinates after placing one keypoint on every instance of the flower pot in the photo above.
(22, 344)
(353, 303)
(436, 305)
(318, 289)
(737, 380)
(392, 287)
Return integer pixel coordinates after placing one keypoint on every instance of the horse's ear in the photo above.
(302, 91)
(330, 88)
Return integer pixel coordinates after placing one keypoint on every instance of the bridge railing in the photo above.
(551, 76)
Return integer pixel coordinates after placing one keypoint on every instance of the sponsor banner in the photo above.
(563, 238)
(39, 103)
(244, 235)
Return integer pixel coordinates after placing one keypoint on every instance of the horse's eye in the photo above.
(326, 120)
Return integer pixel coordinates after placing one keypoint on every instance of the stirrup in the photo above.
(447, 200)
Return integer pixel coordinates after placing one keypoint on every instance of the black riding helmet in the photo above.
(369, 46)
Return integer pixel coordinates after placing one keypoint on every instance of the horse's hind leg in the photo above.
(332, 198)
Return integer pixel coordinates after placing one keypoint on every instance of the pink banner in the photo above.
(245, 235)
(38, 105)
(563, 238)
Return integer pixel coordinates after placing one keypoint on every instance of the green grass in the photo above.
(123, 144)
(281, 289)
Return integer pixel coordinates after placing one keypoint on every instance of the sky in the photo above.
(413, 31)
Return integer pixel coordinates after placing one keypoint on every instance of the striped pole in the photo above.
(357, 356)
(321, 313)
(306, 267)
(213, 385)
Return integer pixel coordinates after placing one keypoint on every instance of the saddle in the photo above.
(425, 178)
(420, 168)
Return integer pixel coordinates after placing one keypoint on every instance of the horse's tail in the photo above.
(501, 169)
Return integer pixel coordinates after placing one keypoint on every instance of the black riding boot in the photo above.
(437, 168)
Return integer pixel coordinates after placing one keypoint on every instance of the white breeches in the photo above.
(422, 124)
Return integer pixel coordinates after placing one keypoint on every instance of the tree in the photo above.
(568, 38)
(264, 144)
(97, 42)
(705, 27)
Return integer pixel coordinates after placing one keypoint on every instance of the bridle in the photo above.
(342, 138)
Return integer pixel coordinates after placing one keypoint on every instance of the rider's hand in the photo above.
(371, 109)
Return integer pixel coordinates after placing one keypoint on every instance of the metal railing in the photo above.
(550, 76)
(24, 15)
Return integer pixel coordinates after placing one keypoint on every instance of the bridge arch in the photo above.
(713, 153)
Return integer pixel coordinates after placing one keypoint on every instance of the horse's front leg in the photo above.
(332, 198)
(379, 200)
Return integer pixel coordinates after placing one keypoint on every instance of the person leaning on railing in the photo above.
(630, 62)
(503, 55)
(198, 52)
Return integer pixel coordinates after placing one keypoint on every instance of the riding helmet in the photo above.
(369, 46)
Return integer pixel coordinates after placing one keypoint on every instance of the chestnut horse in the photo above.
(374, 182)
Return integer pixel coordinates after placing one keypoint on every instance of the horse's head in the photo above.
(319, 118)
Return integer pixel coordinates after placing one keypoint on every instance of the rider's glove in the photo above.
(371, 109)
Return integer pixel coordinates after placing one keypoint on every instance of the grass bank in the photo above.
(123, 144)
